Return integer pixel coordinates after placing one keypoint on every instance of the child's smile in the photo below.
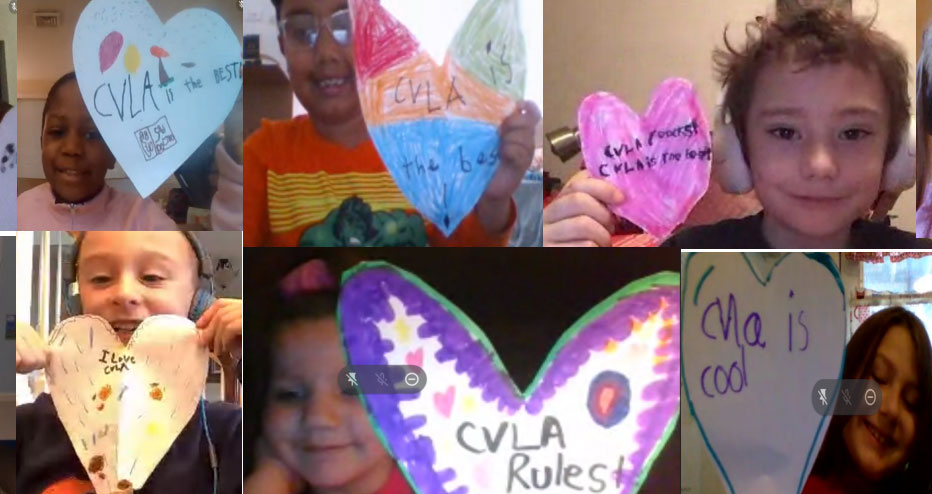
(125, 328)
(331, 87)
(71, 173)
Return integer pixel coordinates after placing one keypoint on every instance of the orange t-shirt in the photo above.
(301, 189)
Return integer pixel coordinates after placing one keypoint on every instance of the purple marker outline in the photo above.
(364, 301)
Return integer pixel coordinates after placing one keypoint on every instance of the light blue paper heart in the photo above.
(155, 91)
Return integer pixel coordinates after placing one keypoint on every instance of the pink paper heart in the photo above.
(415, 358)
(444, 401)
(660, 162)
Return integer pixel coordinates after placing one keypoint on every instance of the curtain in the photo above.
(879, 257)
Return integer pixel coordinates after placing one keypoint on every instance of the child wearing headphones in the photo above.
(819, 105)
(126, 277)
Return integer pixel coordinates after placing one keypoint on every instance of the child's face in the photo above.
(816, 140)
(126, 277)
(880, 443)
(312, 427)
(323, 76)
(75, 158)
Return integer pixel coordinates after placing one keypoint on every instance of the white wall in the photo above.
(629, 46)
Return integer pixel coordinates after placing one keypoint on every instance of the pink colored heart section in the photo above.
(661, 162)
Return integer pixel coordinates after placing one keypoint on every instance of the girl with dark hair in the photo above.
(890, 451)
(75, 160)
(314, 437)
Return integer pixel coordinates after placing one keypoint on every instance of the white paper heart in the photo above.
(155, 91)
(759, 330)
(123, 407)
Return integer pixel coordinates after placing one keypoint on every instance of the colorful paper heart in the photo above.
(172, 87)
(123, 407)
(436, 127)
(759, 330)
(661, 162)
(600, 409)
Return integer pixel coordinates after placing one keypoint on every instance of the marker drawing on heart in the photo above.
(660, 161)
(759, 330)
(595, 417)
(123, 407)
(436, 126)
(155, 91)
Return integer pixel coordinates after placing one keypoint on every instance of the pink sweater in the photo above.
(110, 210)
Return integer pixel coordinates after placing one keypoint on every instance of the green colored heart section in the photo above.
(490, 46)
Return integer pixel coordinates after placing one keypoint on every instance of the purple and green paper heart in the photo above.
(596, 415)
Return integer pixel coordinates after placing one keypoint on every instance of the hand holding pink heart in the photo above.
(660, 162)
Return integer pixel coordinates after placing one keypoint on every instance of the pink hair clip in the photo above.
(312, 276)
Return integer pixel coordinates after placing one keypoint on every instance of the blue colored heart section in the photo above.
(441, 165)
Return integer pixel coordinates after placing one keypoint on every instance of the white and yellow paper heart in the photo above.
(123, 406)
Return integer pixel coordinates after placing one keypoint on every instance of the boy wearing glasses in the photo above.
(318, 179)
